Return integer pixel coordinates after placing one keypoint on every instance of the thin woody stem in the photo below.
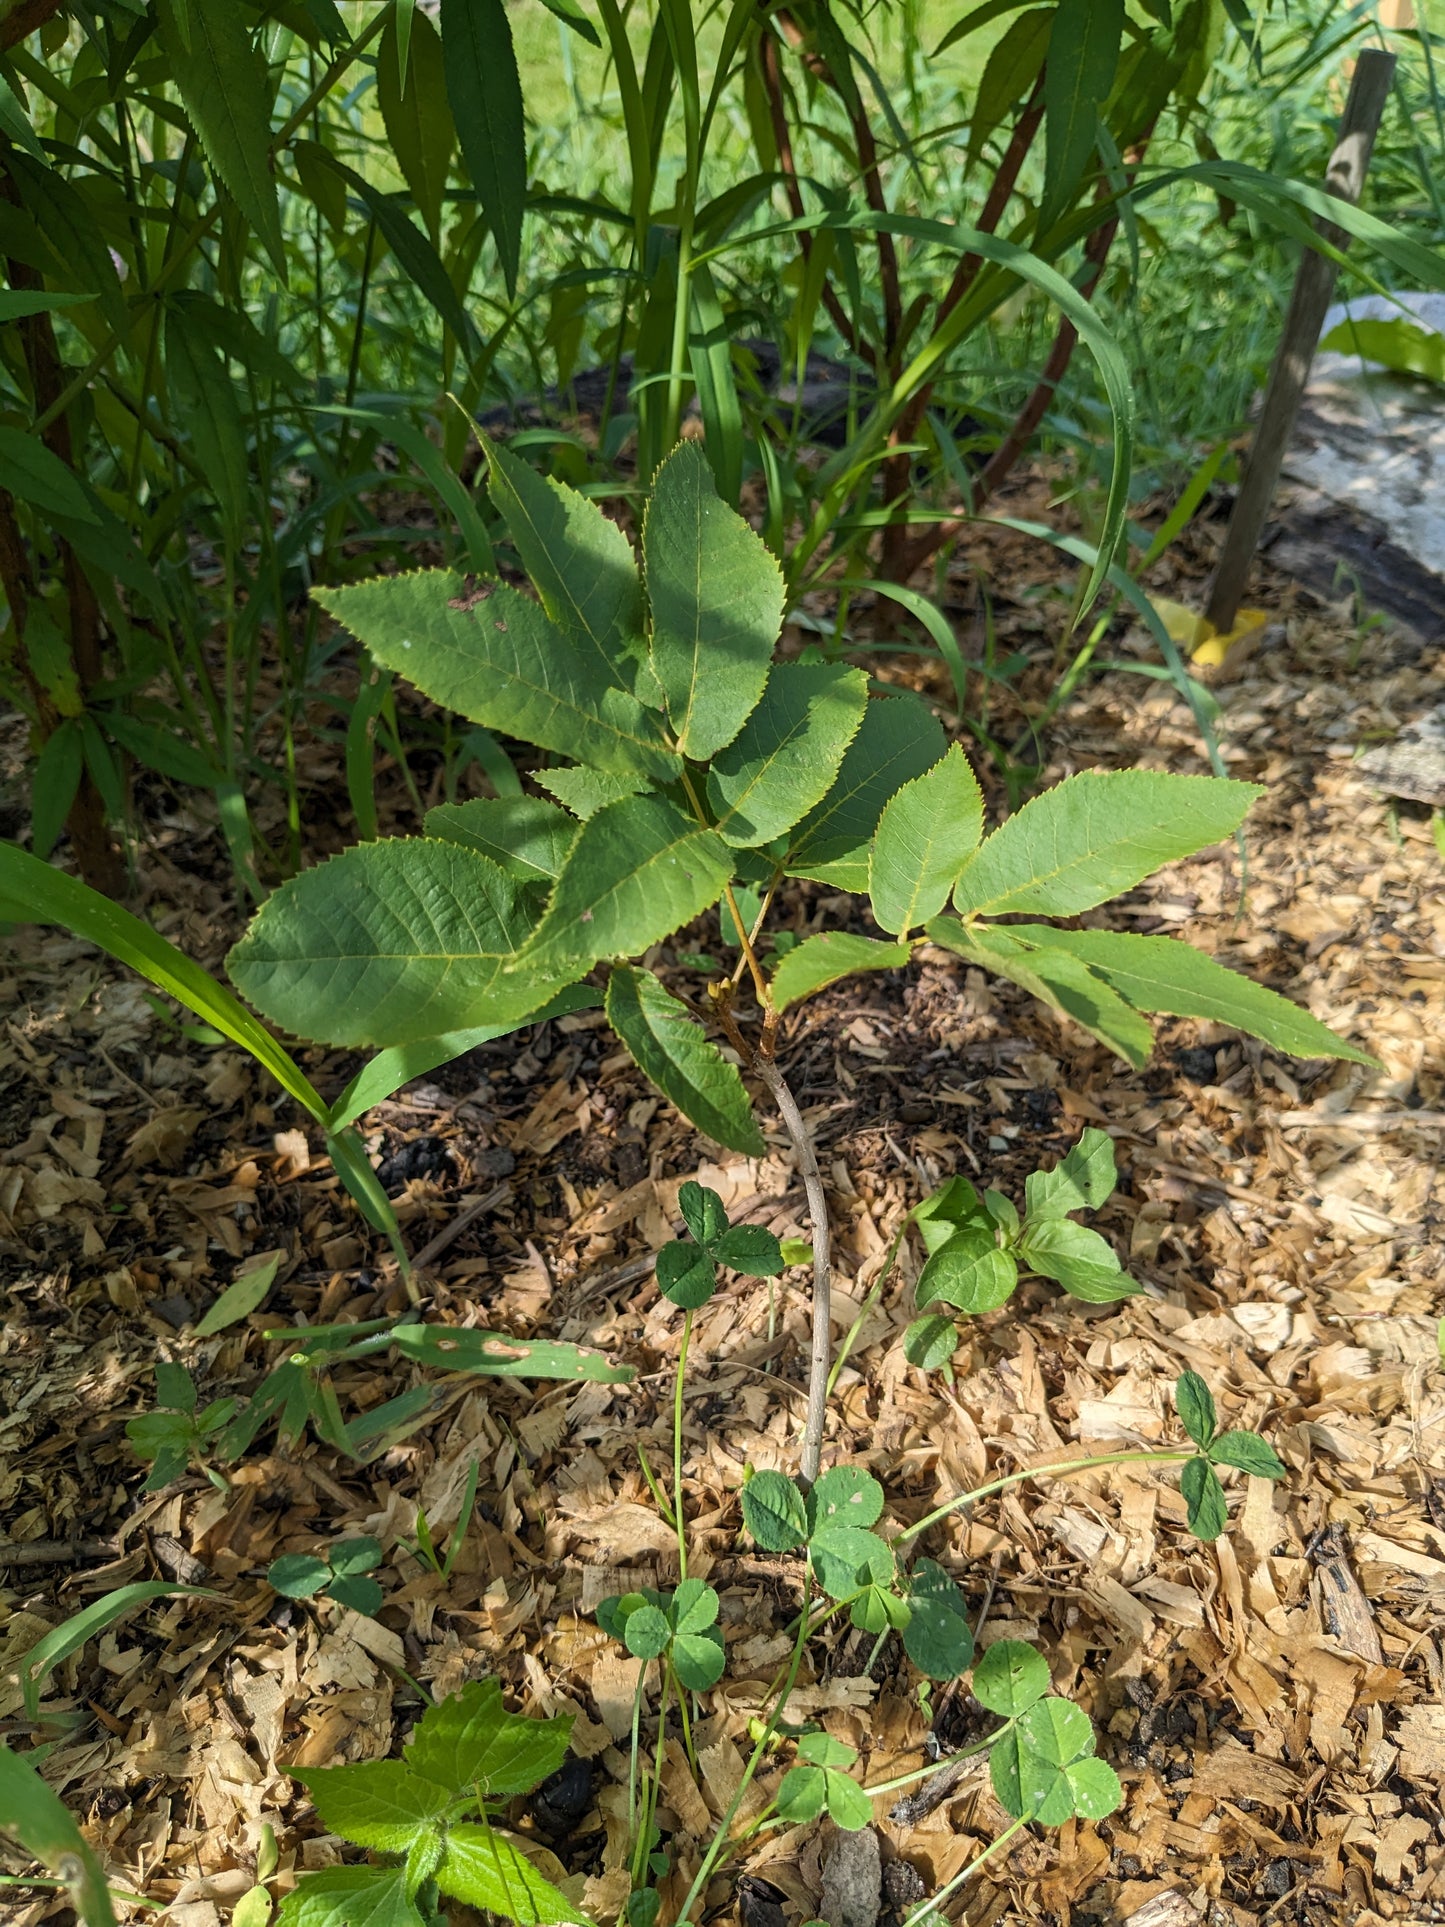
(820, 1358)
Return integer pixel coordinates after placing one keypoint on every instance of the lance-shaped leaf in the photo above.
(495, 657)
(926, 834)
(1169, 976)
(638, 871)
(581, 564)
(788, 752)
(529, 838)
(1094, 835)
(671, 1048)
(899, 739)
(832, 954)
(222, 86)
(390, 943)
(449, 1348)
(1058, 980)
(716, 596)
(40, 1821)
(485, 1869)
(583, 792)
(1079, 70)
(486, 95)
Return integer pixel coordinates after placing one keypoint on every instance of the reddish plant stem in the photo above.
(26, 19)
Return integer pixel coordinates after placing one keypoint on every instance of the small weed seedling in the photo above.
(431, 1814)
(342, 1573)
(174, 1438)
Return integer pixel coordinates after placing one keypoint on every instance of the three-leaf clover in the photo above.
(822, 1786)
(339, 1574)
(680, 1626)
(1043, 1768)
(687, 1268)
(1198, 1481)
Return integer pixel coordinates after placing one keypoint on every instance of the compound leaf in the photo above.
(716, 596)
(788, 752)
(1056, 979)
(1095, 835)
(926, 834)
(671, 1048)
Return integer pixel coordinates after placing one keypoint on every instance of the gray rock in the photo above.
(852, 1880)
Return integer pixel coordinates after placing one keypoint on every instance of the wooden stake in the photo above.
(1314, 284)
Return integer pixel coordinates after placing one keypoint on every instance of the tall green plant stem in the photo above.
(759, 1753)
(1062, 1469)
(677, 1448)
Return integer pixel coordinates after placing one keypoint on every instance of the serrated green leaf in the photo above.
(1095, 835)
(223, 90)
(1081, 1181)
(925, 836)
(471, 1740)
(1248, 1452)
(350, 1897)
(485, 90)
(638, 871)
(845, 1495)
(773, 1512)
(1194, 1403)
(1169, 976)
(1077, 1258)
(1056, 979)
(929, 1343)
(411, 91)
(496, 658)
(846, 1557)
(788, 751)
(716, 595)
(1009, 1677)
(527, 837)
(390, 943)
(970, 1273)
(671, 1048)
(581, 564)
(584, 791)
(899, 738)
(1204, 1497)
(686, 1275)
(483, 1868)
(298, 1575)
(937, 1637)
(750, 1249)
(821, 960)
(376, 1803)
(1079, 69)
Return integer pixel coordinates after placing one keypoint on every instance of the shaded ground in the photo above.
(1275, 1705)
